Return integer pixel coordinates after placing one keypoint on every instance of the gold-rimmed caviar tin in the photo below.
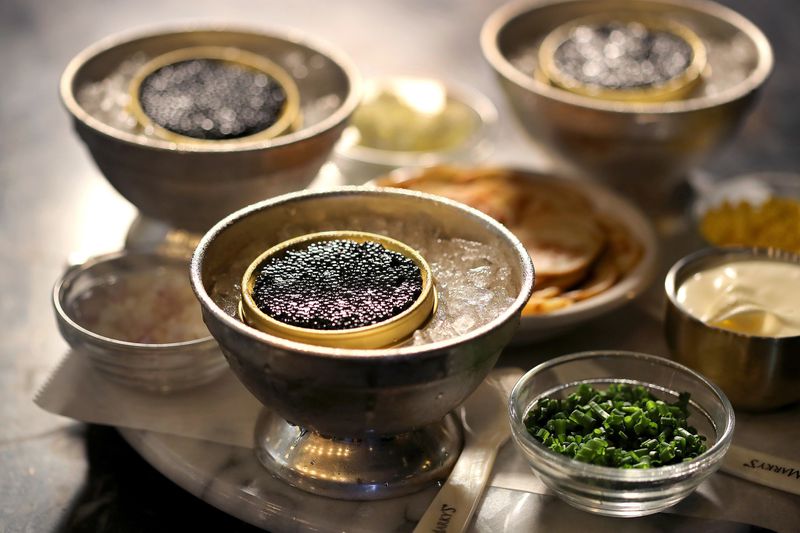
(380, 335)
(290, 117)
(676, 88)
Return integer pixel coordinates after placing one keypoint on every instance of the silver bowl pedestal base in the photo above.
(371, 468)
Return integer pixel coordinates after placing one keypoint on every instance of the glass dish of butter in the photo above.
(414, 122)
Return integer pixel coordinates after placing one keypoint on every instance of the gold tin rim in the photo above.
(384, 334)
(673, 89)
(290, 117)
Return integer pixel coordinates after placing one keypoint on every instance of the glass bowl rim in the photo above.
(74, 272)
(477, 102)
(526, 441)
(709, 189)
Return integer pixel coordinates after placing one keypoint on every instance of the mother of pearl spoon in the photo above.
(486, 428)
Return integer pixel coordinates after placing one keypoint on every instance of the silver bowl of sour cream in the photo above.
(733, 315)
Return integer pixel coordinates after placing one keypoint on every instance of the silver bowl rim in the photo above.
(340, 115)
(74, 271)
(711, 457)
(465, 94)
(734, 253)
(498, 20)
(384, 354)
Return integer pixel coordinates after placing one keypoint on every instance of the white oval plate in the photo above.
(540, 327)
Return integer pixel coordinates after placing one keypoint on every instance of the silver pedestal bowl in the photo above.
(192, 186)
(628, 142)
(355, 424)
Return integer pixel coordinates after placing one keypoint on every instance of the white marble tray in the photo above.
(231, 479)
(202, 441)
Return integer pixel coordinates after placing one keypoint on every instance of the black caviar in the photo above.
(211, 99)
(336, 284)
(622, 55)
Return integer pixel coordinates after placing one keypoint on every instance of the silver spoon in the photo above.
(486, 428)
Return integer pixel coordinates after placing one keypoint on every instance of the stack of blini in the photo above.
(577, 251)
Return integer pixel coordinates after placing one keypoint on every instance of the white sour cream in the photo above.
(756, 297)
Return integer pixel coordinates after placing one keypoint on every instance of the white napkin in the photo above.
(221, 411)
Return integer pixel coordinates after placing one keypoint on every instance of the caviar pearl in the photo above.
(211, 99)
(620, 55)
(336, 284)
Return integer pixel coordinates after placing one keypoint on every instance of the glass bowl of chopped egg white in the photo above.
(732, 313)
(135, 317)
(618, 433)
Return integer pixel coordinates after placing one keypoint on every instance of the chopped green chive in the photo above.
(621, 427)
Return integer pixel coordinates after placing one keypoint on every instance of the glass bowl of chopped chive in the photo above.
(620, 433)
